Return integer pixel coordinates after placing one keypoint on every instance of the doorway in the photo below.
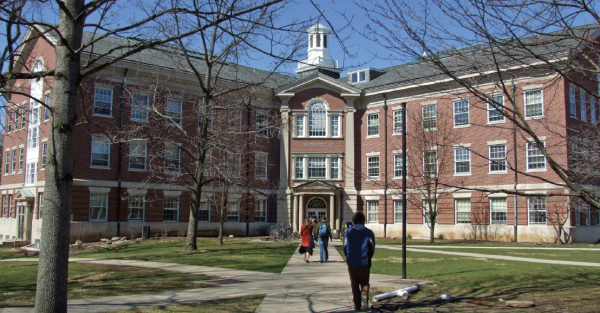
(21, 222)
(316, 207)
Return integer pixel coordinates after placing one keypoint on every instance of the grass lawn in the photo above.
(553, 287)
(243, 304)
(446, 242)
(234, 254)
(566, 255)
(18, 281)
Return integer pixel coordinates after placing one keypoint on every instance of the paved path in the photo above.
(491, 256)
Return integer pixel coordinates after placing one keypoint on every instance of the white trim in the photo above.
(497, 142)
(372, 154)
(371, 198)
(172, 193)
(459, 195)
(497, 195)
(532, 87)
(99, 190)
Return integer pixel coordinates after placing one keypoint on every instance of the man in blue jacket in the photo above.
(359, 247)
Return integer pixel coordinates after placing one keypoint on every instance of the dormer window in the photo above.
(359, 77)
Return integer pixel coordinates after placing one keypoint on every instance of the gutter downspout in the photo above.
(385, 160)
(404, 173)
(119, 159)
(512, 87)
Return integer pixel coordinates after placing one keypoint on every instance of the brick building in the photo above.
(339, 151)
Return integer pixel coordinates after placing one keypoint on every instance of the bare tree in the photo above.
(475, 44)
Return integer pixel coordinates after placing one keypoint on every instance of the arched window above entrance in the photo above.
(317, 120)
(317, 203)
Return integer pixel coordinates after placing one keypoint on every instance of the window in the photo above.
(373, 167)
(372, 125)
(262, 124)
(496, 109)
(139, 107)
(6, 163)
(136, 207)
(260, 165)
(535, 159)
(373, 212)
(498, 158)
(9, 121)
(461, 113)
(355, 77)
(299, 168)
(172, 157)
(397, 211)
(572, 103)
(98, 206)
(335, 126)
(593, 113)
(463, 211)
(171, 209)
(261, 211)
(430, 163)
(583, 106)
(10, 203)
(462, 161)
(429, 117)
(14, 162)
(204, 212)
(137, 155)
(397, 122)
(44, 155)
(317, 167)
(16, 118)
(317, 122)
(234, 158)
(398, 160)
(311, 41)
(33, 135)
(335, 168)
(233, 214)
(299, 125)
(318, 40)
(537, 210)
(358, 77)
(21, 156)
(23, 116)
(4, 213)
(498, 211)
(174, 111)
(31, 173)
(47, 107)
(582, 214)
(40, 205)
(324, 41)
(103, 101)
(100, 152)
(533, 104)
(429, 207)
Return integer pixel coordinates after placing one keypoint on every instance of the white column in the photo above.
(295, 214)
(284, 158)
(332, 211)
(349, 157)
(301, 212)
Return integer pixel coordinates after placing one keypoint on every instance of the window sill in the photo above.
(499, 172)
(400, 178)
(373, 179)
(98, 221)
(100, 167)
(461, 126)
(315, 179)
(430, 129)
(102, 115)
(176, 172)
(534, 118)
(466, 224)
(397, 134)
(496, 122)
(309, 138)
(462, 174)
(139, 121)
(535, 171)
(170, 221)
(374, 136)
(136, 170)
(135, 221)
(261, 178)
(538, 225)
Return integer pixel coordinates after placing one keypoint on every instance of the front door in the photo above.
(316, 207)
(21, 222)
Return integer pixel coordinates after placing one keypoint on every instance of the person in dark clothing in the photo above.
(324, 234)
(359, 247)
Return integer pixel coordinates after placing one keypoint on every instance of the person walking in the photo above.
(359, 247)
(306, 246)
(324, 234)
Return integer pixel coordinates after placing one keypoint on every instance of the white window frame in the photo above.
(457, 161)
(425, 171)
(334, 168)
(527, 105)
(133, 156)
(133, 203)
(105, 207)
(530, 147)
(430, 119)
(7, 163)
(47, 107)
(583, 105)
(106, 141)
(505, 222)
(531, 209)
(398, 165)
(31, 173)
(258, 157)
(372, 211)
(335, 122)
(299, 170)
(174, 115)
(492, 109)
(324, 120)
(165, 209)
(372, 125)
(572, 103)
(14, 161)
(167, 159)
(458, 105)
(261, 125)
(261, 211)
(21, 159)
(103, 107)
(299, 123)
(593, 112)
(397, 211)
(201, 209)
(236, 217)
(372, 166)
(397, 121)
(139, 112)
(458, 209)
(44, 156)
(33, 136)
(496, 161)
(425, 215)
(315, 161)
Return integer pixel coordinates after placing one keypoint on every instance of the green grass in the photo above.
(564, 255)
(243, 304)
(18, 281)
(552, 287)
(446, 242)
(10, 253)
(234, 254)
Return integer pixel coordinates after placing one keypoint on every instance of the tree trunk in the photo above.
(431, 231)
(51, 293)
(192, 233)
(221, 233)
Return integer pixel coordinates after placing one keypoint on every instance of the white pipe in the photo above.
(398, 293)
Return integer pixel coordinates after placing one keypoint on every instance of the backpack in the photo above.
(323, 230)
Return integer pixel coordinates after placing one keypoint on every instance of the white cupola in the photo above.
(318, 54)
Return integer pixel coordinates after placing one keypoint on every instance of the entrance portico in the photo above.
(316, 198)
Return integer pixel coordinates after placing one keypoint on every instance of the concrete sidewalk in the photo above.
(492, 256)
(500, 247)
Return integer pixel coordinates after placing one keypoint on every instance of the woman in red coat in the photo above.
(305, 233)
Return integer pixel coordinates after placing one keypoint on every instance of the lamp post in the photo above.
(404, 190)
